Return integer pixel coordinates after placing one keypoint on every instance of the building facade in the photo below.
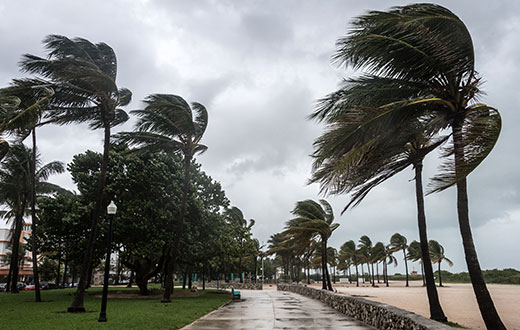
(25, 271)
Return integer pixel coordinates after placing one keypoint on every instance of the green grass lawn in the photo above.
(19, 311)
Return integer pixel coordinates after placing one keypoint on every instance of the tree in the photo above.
(314, 219)
(15, 192)
(427, 51)
(399, 242)
(389, 259)
(83, 76)
(169, 124)
(414, 254)
(348, 251)
(437, 256)
(33, 95)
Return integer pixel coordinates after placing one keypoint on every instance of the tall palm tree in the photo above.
(389, 259)
(314, 219)
(424, 53)
(235, 217)
(365, 247)
(348, 251)
(169, 124)
(399, 242)
(33, 95)
(378, 255)
(437, 256)
(414, 254)
(83, 76)
(15, 192)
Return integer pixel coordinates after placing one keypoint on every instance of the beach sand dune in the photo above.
(458, 300)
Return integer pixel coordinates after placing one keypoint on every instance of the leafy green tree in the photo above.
(169, 124)
(423, 54)
(83, 76)
(437, 256)
(315, 219)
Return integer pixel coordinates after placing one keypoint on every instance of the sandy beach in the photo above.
(457, 300)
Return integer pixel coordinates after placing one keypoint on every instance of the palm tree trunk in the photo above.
(385, 270)
(323, 264)
(377, 272)
(79, 296)
(436, 312)
(176, 240)
(34, 241)
(362, 272)
(16, 245)
(406, 266)
(440, 277)
(422, 273)
(357, 275)
(485, 303)
(373, 281)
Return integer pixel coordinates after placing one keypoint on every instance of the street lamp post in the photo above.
(111, 210)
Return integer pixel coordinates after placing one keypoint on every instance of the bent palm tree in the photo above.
(437, 256)
(83, 77)
(33, 94)
(15, 192)
(398, 242)
(414, 254)
(314, 220)
(427, 51)
(348, 252)
(169, 124)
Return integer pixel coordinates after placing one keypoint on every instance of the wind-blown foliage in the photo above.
(419, 66)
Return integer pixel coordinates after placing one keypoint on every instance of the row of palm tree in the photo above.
(364, 253)
(419, 90)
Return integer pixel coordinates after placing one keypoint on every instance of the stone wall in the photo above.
(379, 315)
(229, 285)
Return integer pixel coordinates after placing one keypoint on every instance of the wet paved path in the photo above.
(270, 309)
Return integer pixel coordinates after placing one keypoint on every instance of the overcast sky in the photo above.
(259, 67)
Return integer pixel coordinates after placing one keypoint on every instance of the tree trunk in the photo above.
(436, 312)
(34, 241)
(422, 273)
(176, 239)
(240, 269)
(485, 303)
(16, 245)
(79, 296)
(323, 264)
(65, 273)
(377, 272)
(129, 285)
(143, 286)
(373, 280)
(362, 273)
(386, 273)
(406, 266)
(58, 270)
(204, 276)
(357, 275)
(440, 277)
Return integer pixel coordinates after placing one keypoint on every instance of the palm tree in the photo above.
(348, 252)
(437, 256)
(423, 55)
(33, 94)
(332, 260)
(389, 259)
(315, 220)
(398, 242)
(83, 76)
(169, 124)
(378, 255)
(235, 217)
(414, 254)
(365, 247)
(15, 192)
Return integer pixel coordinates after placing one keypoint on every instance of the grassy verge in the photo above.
(19, 311)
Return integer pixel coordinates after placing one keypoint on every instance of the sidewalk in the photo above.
(271, 309)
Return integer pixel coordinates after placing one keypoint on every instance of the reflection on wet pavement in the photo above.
(276, 310)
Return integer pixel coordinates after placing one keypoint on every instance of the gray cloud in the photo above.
(259, 66)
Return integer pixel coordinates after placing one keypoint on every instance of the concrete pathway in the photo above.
(270, 309)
